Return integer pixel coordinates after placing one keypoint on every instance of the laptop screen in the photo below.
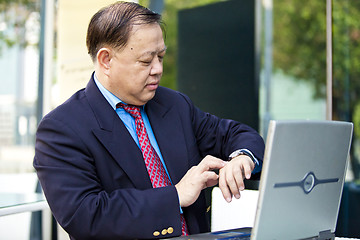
(302, 178)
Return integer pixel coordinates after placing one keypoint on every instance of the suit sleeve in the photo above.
(68, 175)
(220, 137)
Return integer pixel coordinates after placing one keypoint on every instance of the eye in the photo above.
(145, 62)
(161, 58)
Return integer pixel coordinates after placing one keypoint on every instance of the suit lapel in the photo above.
(167, 128)
(114, 136)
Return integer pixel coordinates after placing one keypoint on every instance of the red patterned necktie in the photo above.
(155, 168)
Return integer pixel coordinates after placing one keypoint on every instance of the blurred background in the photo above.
(249, 60)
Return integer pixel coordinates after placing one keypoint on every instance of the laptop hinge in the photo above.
(326, 235)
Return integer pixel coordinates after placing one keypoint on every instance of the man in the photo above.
(125, 158)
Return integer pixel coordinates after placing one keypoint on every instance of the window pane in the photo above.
(294, 69)
(19, 57)
(346, 71)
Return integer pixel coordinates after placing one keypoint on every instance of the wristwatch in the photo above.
(241, 152)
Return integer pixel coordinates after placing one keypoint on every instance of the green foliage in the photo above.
(300, 48)
(346, 60)
(356, 120)
(300, 41)
(13, 16)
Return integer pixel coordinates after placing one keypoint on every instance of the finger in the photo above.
(247, 170)
(210, 179)
(224, 187)
(210, 163)
(248, 166)
(234, 180)
(239, 178)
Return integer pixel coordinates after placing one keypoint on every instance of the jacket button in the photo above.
(208, 209)
(156, 233)
(170, 230)
(164, 232)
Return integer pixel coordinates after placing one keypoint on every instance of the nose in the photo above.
(157, 67)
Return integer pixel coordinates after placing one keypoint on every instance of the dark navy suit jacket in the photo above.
(95, 179)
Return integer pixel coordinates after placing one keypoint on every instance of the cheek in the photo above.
(131, 78)
(136, 82)
(140, 77)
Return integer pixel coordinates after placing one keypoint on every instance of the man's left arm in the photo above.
(242, 163)
(222, 137)
(245, 148)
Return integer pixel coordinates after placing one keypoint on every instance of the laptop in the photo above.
(301, 183)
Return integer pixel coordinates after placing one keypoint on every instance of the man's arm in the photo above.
(198, 178)
(221, 137)
(231, 177)
(69, 176)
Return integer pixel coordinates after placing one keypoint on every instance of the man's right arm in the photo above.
(69, 176)
(198, 178)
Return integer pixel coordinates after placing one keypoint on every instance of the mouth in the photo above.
(153, 85)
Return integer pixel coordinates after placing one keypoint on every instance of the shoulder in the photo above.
(68, 108)
(166, 96)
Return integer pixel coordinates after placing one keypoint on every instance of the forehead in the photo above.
(146, 39)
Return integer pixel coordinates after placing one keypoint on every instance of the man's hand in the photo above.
(231, 177)
(198, 178)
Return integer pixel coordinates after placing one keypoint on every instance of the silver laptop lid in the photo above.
(302, 178)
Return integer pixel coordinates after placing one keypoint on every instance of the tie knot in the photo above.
(134, 111)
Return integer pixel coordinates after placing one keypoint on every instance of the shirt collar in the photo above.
(110, 97)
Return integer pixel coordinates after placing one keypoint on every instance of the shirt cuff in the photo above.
(249, 153)
(257, 167)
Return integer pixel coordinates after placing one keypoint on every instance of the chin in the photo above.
(142, 101)
(150, 96)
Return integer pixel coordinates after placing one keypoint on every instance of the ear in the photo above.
(103, 57)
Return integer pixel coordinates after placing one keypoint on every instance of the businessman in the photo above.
(125, 158)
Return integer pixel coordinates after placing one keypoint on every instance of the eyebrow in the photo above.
(152, 53)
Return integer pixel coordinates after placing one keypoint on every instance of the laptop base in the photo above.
(244, 234)
(324, 235)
